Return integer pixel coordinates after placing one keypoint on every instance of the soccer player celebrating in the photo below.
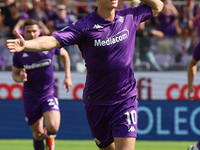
(35, 70)
(191, 73)
(106, 38)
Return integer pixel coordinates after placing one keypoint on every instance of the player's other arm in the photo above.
(155, 5)
(43, 43)
(64, 56)
(191, 73)
(46, 31)
(17, 76)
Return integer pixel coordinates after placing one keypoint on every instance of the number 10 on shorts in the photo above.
(131, 116)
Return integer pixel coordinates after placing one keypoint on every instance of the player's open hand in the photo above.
(23, 76)
(16, 45)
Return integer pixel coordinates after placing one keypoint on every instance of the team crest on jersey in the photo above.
(121, 19)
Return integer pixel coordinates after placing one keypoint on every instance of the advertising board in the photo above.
(150, 85)
(158, 120)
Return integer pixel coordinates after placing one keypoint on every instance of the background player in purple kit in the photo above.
(106, 38)
(40, 99)
(191, 73)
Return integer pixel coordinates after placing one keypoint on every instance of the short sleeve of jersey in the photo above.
(16, 62)
(70, 35)
(57, 51)
(140, 13)
(196, 52)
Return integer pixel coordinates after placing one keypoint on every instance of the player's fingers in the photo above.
(17, 34)
(24, 70)
(69, 87)
(24, 80)
(9, 44)
(64, 85)
(12, 51)
(10, 47)
(10, 41)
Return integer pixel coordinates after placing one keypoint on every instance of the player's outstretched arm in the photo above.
(43, 43)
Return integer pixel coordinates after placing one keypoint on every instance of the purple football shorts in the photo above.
(106, 122)
(34, 109)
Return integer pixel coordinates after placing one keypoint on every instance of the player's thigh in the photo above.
(37, 129)
(124, 143)
(52, 119)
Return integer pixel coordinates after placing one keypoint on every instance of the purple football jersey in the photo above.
(39, 69)
(196, 52)
(107, 48)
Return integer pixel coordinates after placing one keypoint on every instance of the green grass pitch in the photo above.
(22, 144)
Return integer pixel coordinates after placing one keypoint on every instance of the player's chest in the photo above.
(33, 57)
(107, 35)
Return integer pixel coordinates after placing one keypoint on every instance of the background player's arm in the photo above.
(155, 5)
(191, 73)
(17, 77)
(64, 56)
(18, 25)
(44, 28)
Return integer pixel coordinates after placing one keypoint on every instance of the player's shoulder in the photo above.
(88, 22)
(139, 8)
(125, 11)
(57, 50)
(87, 19)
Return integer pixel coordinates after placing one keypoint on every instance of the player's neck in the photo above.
(106, 14)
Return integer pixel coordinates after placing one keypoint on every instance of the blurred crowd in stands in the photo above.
(164, 42)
